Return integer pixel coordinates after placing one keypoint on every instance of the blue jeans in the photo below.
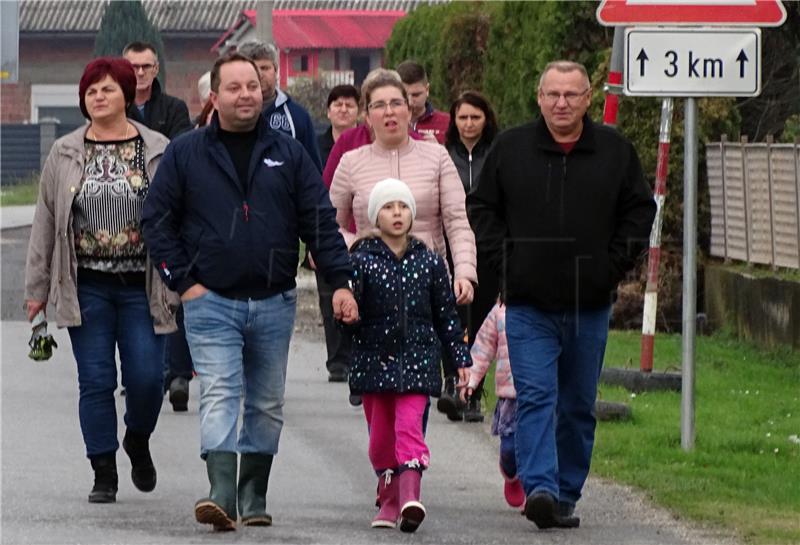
(116, 317)
(240, 347)
(556, 358)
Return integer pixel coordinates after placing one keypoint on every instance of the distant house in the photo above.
(56, 40)
(340, 46)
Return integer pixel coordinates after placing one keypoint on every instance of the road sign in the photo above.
(679, 62)
(691, 12)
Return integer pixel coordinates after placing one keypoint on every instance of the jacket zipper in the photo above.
(246, 209)
(563, 189)
(470, 170)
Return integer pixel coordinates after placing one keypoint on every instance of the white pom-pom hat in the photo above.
(389, 190)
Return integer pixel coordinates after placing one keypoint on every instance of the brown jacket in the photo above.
(430, 174)
(51, 270)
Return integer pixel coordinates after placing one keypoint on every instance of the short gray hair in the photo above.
(258, 50)
(564, 66)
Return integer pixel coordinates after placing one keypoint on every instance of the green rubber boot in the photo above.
(219, 508)
(253, 480)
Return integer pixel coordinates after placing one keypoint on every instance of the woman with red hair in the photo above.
(86, 258)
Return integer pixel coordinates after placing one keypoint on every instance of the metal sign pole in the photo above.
(689, 273)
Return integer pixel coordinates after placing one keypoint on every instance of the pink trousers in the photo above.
(395, 429)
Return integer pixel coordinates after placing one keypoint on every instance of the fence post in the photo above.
(47, 136)
(723, 141)
(797, 194)
(745, 201)
(770, 141)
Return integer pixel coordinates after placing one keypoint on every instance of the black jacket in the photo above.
(163, 113)
(561, 230)
(407, 312)
(468, 164)
(202, 224)
(325, 143)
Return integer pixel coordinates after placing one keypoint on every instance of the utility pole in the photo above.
(264, 20)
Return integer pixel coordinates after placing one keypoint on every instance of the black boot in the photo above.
(105, 478)
(219, 508)
(472, 412)
(143, 472)
(449, 403)
(179, 394)
(567, 517)
(252, 493)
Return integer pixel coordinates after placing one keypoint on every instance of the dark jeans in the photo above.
(116, 317)
(556, 358)
(337, 343)
(177, 359)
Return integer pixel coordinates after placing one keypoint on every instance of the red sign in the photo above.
(691, 12)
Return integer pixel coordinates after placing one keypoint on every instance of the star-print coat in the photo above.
(408, 313)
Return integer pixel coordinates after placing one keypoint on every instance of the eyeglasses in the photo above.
(572, 99)
(381, 106)
(143, 67)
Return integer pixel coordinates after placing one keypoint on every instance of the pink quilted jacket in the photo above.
(491, 344)
(432, 178)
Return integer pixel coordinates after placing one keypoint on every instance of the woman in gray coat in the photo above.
(87, 258)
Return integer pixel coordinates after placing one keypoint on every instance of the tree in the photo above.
(124, 22)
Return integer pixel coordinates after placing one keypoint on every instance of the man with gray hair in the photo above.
(282, 113)
(561, 213)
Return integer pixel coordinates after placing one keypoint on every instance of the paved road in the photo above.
(322, 488)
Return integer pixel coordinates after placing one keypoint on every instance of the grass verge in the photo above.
(22, 193)
(744, 473)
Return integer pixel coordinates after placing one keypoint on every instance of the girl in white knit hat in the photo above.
(408, 315)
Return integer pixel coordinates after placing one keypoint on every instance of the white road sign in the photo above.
(683, 62)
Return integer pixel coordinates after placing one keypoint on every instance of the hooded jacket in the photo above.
(560, 229)
(51, 270)
(288, 117)
(203, 225)
(408, 313)
(163, 113)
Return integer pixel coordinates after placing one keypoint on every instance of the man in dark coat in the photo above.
(222, 222)
(153, 107)
(561, 213)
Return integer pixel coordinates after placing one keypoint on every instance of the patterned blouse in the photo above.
(108, 207)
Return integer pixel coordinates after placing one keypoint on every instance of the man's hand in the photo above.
(197, 290)
(33, 308)
(463, 290)
(345, 307)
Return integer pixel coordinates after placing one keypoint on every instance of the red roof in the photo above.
(325, 29)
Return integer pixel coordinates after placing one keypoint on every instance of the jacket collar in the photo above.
(428, 112)
(154, 143)
(281, 98)
(374, 245)
(586, 141)
(482, 145)
(403, 150)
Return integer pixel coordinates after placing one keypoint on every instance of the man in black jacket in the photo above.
(169, 116)
(156, 109)
(222, 221)
(561, 213)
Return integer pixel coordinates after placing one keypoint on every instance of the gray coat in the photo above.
(51, 271)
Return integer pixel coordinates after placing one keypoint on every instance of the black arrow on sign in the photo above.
(741, 59)
(642, 57)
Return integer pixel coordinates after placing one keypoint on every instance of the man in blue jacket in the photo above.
(561, 213)
(222, 222)
(282, 113)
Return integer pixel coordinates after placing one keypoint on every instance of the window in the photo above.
(300, 63)
(59, 101)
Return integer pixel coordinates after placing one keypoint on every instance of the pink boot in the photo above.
(412, 512)
(387, 496)
(512, 490)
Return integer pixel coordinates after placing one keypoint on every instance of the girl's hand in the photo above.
(463, 382)
(463, 290)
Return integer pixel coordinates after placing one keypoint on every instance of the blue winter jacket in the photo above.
(408, 313)
(201, 224)
(288, 117)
